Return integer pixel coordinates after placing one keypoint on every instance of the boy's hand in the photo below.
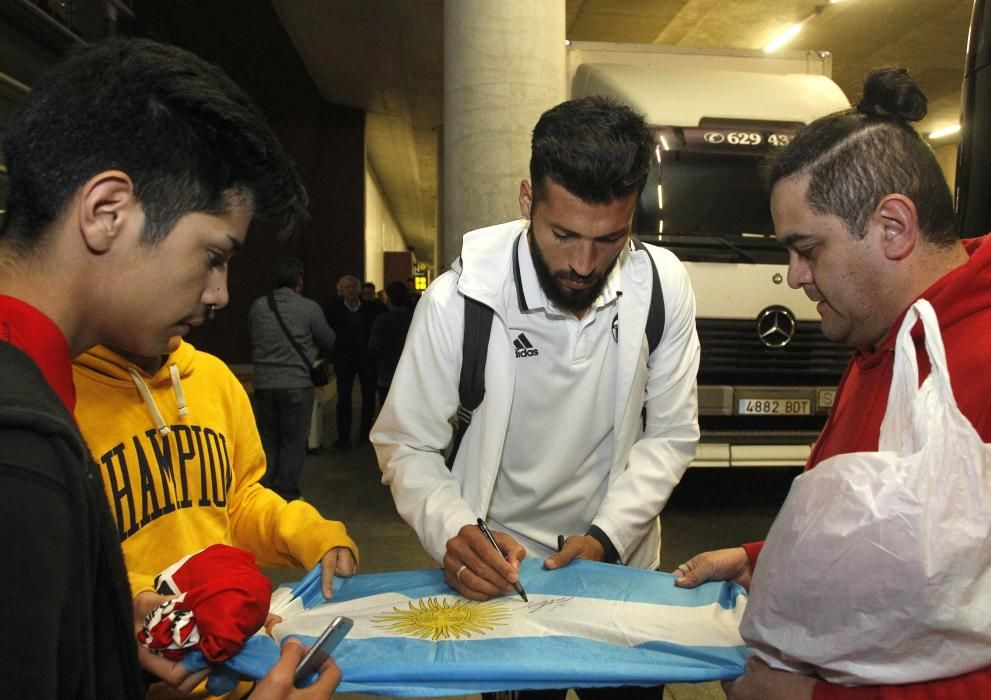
(337, 561)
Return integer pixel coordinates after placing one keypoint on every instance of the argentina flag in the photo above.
(588, 624)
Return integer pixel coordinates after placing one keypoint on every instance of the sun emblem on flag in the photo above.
(430, 618)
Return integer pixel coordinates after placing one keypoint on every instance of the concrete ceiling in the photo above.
(385, 57)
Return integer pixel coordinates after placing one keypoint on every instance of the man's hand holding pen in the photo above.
(479, 571)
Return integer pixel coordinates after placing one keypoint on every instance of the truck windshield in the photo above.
(705, 197)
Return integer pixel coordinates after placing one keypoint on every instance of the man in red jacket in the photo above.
(859, 200)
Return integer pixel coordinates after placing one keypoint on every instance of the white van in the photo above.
(767, 375)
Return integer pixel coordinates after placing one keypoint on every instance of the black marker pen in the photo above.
(488, 536)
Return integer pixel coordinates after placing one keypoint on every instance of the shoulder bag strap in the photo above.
(278, 317)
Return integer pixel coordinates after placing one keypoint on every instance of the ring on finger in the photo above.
(460, 571)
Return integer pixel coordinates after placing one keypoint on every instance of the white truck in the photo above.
(767, 376)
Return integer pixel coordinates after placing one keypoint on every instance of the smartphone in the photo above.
(322, 648)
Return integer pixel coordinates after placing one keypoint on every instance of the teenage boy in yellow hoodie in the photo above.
(181, 460)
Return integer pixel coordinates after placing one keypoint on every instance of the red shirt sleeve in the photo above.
(753, 551)
(976, 684)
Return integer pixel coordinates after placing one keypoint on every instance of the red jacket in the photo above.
(962, 300)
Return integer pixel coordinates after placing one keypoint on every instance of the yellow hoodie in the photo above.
(181, 462)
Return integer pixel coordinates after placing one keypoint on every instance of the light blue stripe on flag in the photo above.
(588, 624)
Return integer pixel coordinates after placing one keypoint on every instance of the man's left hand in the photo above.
(338, 561)
(576, 547)
(759, 682)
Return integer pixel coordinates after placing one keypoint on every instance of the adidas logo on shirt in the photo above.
(524, 348)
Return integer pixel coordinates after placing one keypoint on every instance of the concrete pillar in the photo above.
(504, 65)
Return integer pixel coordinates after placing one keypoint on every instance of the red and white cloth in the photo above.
(222, 598)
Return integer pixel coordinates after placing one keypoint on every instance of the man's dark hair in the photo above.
(186, 135)
(397, 293)
(856, 157)
(368, 285)
(288, 272)
(594, 147)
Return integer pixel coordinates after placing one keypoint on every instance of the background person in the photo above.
(368, 292)
(283, 393)
(134, 169)
(414, 295)
(389, 335)
(859, 200)
(352, 319)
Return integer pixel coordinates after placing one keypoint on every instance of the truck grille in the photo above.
(733, 354)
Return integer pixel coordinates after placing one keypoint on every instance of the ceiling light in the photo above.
(783, 38)
(792, 31)
(940, 133)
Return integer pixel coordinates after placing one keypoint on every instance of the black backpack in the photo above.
(478, 326)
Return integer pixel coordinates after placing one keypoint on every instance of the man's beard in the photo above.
(573, 300)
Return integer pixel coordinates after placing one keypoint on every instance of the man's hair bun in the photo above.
(889, 91)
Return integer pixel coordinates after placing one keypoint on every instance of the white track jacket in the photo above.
(414, 426)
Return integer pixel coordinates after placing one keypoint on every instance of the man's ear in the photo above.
(526, 198)
(107, 206)
(898, 221)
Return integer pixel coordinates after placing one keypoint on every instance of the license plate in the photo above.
(775, 407)
(825, 398)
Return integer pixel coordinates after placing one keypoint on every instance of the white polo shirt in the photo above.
(559, 448)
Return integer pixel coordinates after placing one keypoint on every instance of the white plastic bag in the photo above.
(878, 567)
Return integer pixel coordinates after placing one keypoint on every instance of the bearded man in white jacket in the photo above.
(583, 432)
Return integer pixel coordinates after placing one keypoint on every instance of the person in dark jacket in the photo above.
(368, 292)
(134, 169)
(352, 318)
(389, 335)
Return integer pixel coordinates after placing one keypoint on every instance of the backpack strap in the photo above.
(655, 316)
(471, 386)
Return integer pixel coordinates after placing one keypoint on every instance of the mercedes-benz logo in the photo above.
(776, 326)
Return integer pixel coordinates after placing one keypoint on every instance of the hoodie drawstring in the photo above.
(149, 400)
(156, 415)
(180, 395)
